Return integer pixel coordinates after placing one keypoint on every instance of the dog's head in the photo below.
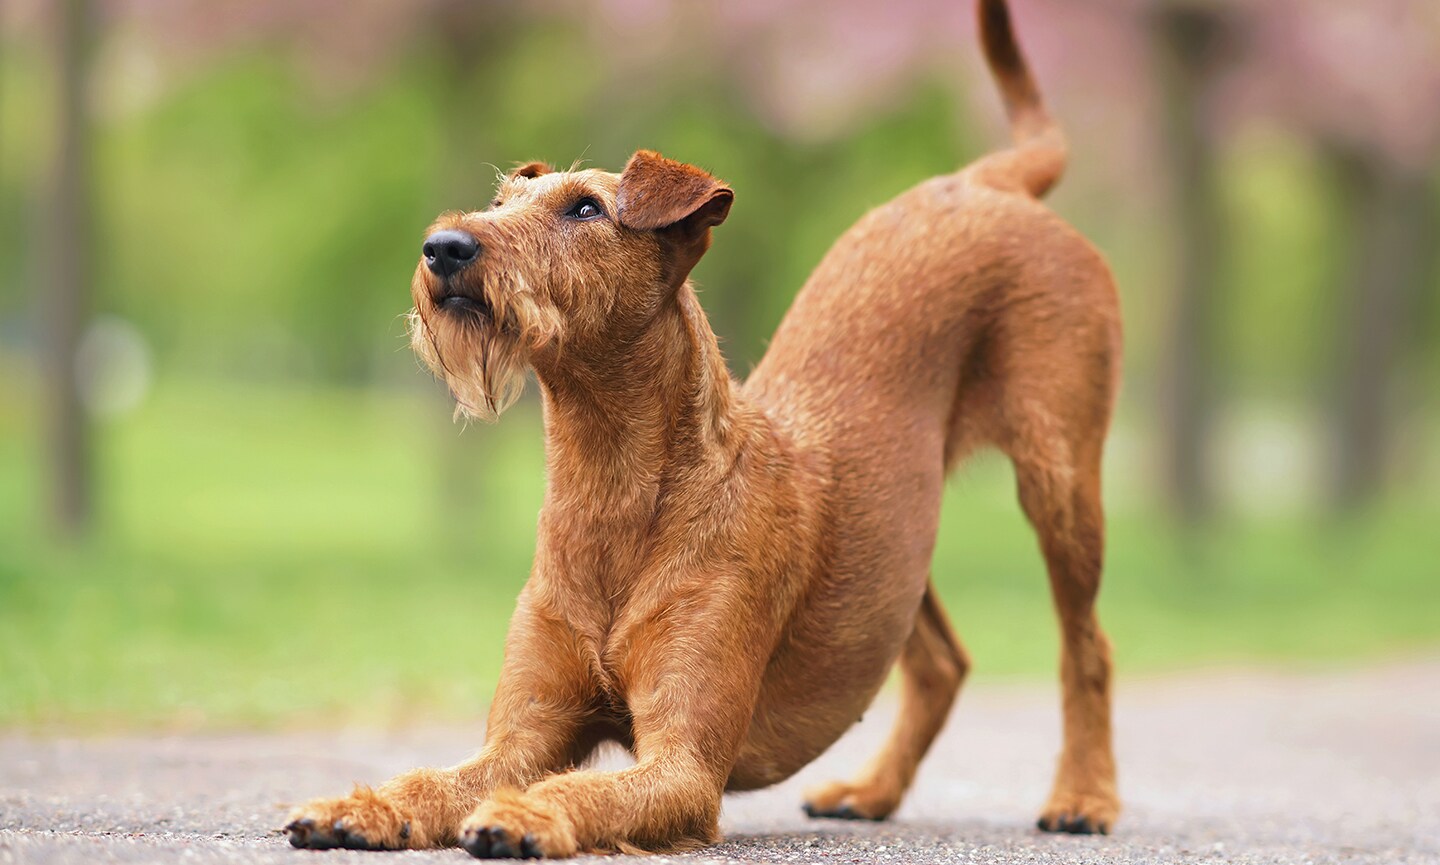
(562, 263)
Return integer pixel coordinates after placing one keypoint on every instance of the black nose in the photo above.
(448, 251)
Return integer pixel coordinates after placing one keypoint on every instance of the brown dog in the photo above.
(725, 573)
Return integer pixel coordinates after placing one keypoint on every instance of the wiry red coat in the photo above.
(725, 573)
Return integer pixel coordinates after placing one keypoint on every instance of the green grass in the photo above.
(282, 555)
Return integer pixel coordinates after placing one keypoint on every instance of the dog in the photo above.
(726, 572)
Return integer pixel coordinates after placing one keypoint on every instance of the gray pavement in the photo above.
(1220, 768)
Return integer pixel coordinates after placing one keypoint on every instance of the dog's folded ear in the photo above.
(531, 170)
(657, 193)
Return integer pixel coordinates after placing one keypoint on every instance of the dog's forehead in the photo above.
(561, 184)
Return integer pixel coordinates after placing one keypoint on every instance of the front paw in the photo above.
(364, 820)
(512, 826)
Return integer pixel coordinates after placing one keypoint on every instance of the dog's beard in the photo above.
(483, 361)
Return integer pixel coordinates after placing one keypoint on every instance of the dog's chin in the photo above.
(482, 364)
(479, 339)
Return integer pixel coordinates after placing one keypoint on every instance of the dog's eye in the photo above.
(585, 208)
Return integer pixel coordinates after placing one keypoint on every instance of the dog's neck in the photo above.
(615, 428)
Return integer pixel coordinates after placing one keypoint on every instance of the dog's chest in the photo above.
(605, 586)
(616, 635)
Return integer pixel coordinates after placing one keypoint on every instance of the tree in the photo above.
(67, 293)
(1360, 80)
(1188, 37)
(1391, 215)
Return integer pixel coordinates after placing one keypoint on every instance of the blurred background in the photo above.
(229, 496)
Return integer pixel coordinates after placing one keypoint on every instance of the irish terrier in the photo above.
(726, 572)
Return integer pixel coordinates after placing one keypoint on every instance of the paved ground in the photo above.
(1242, 768)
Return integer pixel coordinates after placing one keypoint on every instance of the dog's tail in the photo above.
(1037, 160)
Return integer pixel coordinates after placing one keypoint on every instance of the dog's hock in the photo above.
(657, 193)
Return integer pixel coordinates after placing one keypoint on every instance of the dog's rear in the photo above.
(962, 314)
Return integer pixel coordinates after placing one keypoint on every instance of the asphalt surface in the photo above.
(1221, 768)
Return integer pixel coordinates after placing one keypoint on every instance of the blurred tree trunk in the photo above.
(1187, 40)
(1391, 217)
(66, 295)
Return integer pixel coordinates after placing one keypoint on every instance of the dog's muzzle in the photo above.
(448, 252)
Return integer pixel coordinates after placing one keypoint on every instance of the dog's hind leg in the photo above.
(1059, 489)
(932, 665)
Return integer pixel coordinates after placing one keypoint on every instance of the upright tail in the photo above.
(1036, 161)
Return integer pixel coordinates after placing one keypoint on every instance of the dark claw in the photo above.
(299, 830)
(1078, 824)
(528, 848)
(844, 812)
(1055, 824)
(477, 843)
(490, 842)
(1085, 826)
(500, 845)
(405, 831)
(350, 840)
(303, 835)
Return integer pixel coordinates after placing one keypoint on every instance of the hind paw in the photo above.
(841, 801)
(1079, 814)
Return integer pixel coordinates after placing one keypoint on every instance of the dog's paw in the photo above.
(1079, 814)
(512, 826)
(364, 820)
(841, 801)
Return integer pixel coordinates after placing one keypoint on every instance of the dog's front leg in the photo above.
(535, 729)
(669, 801)
(691, 695)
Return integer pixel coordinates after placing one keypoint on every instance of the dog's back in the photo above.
(961, 314)
(937, 301)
